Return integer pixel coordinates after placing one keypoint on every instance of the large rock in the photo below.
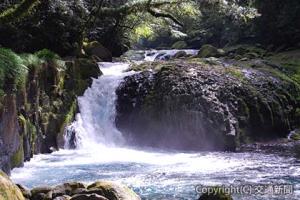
(179, 45)
(68, 189)
(114, 191)
(199, 105)
(8, 190)
(210, 51)
(96, 49)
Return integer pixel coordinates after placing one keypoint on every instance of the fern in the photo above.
(12, 68)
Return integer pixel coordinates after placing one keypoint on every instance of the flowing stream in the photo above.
(102, 153)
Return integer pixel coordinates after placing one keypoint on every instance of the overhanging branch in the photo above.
(18, 11)
(157, 13)
(141, 6)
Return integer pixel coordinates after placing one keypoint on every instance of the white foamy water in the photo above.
(160, 175)
(151, 55)
(94, 125)
(153, 174)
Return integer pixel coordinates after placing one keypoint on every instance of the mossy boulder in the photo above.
(179, 45)
(193, 104)
(244, 51)
(210, 51)
(8, 190)
(98, 50)
(114, 191)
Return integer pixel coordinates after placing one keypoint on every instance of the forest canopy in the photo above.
(63, 25)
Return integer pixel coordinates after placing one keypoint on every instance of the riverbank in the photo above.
(38, 100)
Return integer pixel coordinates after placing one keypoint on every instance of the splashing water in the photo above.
(94, 124)
(153, 174)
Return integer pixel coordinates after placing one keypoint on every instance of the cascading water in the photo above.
(94, 125)
(153, 175)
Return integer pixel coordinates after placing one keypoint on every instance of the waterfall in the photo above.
(95, 124)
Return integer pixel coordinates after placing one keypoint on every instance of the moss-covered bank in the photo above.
(38, 99)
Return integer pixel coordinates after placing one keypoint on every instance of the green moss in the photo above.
(290, 61)
(237, 73)
(242, 50)
(18, 157)
(296, 136)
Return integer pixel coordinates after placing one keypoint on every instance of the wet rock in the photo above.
(210, 51)
(180, 54)
(64, 197)
(114, 191)
(195, 105)
(25, 191)
(8, 190)
(41, 193)
(68, 189)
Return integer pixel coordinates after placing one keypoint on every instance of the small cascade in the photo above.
(95, 124)
(152, 55)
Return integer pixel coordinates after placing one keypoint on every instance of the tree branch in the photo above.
(157, 13)
(18, 11)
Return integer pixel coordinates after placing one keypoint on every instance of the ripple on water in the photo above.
(158, 175)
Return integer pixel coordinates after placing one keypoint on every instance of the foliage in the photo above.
(18, 10)
(46, 55)
(279, 23)
(12, 68)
